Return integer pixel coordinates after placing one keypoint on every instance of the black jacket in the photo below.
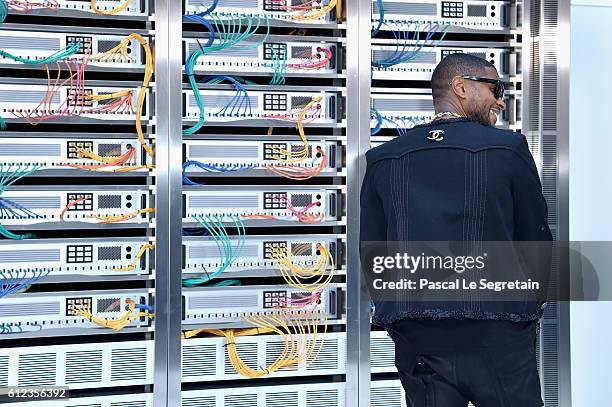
(469, 183)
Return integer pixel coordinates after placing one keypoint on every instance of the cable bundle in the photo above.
(240, 105)
(314, 61)
(406, 47)
(29, 5)
(10, 174)
(299, 331)
(312, 279)
(313, 12)
(133, 312)
(16, 281)
(399, 123)
(119, 8)
(298, 173)
(301, 215)
(141, 252)
(228, 252)
(126, 161)
(104, 219)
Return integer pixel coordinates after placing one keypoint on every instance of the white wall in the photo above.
(591, 191)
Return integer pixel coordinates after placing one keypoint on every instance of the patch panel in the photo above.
(79, 365)
(248, 202)
(268, 57)
(38, 45)
(469, 14)
(96, 204)
(259, 155)
(120, 400)
(51, 154)
(58, 255)
(37, 311)
(38, 103)
(408, 110)
(227, 106)
(213, 305)
(272, 9)
(419, 66)
(296, 395)
(202, 253)
(205, 359)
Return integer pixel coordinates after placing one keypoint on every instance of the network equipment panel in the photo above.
(267, 57)
(256, 255)
(35, 46)
(292, 203)
(471, 14)
(307, 395)
(96, 204)
(402, 110)
(65, 153)
(265, 10)
(115, 256)
(205, 359)
(38, 311)
(135, 7)
(212, 305)
(407, 63)
(79, 366)
(224, 106)
(38, 103)
(120, 400)
(205, 156)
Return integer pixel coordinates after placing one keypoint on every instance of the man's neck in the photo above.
(449, 107)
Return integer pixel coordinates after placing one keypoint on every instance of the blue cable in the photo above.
(207, 11)
(379, 120)
(145, 307)
(198, 19)
(381, 12)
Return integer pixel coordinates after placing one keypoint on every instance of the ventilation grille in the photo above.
(229, 301)
(301, 249)
(23, 256)
(29, 309)
(301, 52)
(223, 152)
(199, 360)
(37, 202)
(477, 10)
(129, 364)
(382, 351)
(29, 43)
(273, 351)
(400, 105)
(550, 356)
(140, 403)
(420, 58)
(84, 367)
(106, 45)
(327, 358)
(386, 397)
(248, 353)
(209, 201)
(108, 305)
(4, 371)
(318, 398)
(219, 101)
(30, 150)
(301, 200)
(109, 253)
(251, 52)
(109, 150)
(285, 399)
(26, 96)
(241, 4)
(109, 201)
(240, 400)
(417, 9)
(201, 252)
(37, 369)
(209, 401)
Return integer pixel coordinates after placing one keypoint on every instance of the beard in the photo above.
(481, 116)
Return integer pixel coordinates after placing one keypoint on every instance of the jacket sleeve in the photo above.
(530, 209)
(373, 224)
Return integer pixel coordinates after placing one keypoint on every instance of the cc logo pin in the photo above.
(436, 135)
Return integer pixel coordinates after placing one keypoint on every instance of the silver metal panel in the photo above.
(32, 150)
(358, 65)
(41, 43)
(167, 363)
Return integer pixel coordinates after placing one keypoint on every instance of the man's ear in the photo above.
(458, 85)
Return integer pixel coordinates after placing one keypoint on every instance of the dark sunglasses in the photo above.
(500, 87)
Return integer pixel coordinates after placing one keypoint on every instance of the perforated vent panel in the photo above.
(129, 364)
(318, 398)
(284, 399)
(37, 369)
(109, 253)
(209, 401)
(84, 367)
(199, 360)
(4, 370)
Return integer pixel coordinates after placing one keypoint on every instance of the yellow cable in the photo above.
(148, 74)
(132, 266)
(120, 218)
(116, 10)
(115, 324)
(108, 96)
(315, 14)
(311, 279)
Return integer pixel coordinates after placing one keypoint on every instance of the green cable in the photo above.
(71, 49)
(3, 11)
(7, 179)
(226, 283)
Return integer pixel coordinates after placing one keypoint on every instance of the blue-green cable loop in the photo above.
(381, 12)
(63, 53)
(8, 177)
(3, 10)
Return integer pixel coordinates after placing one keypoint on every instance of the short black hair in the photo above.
(456, 64)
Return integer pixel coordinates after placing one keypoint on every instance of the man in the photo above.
(459, 179)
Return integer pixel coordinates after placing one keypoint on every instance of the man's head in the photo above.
(469, 97)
